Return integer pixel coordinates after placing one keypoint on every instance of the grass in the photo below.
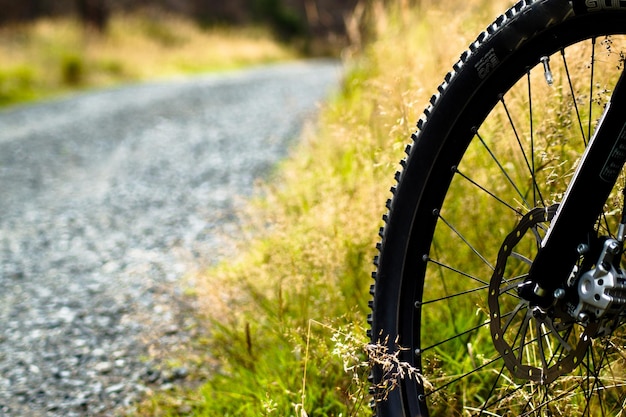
(54, 56)
(287, 315)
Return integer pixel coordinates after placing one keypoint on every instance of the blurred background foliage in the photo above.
(290, 19)
(51, 47)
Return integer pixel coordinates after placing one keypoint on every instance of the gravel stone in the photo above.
(108, 200)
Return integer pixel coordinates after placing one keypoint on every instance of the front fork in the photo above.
(582, 204)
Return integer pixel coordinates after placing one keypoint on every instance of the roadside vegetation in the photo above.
(49, 57)
(287, 315)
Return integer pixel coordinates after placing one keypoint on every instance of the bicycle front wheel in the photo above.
(483, 179)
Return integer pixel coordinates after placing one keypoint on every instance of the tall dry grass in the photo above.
(288, 313)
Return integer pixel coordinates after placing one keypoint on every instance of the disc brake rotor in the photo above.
(536, 344)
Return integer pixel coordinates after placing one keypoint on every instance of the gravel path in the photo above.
(107, 199)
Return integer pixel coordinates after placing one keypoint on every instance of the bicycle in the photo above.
(498, 288)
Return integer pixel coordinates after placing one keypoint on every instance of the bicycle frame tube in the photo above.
(583, 202)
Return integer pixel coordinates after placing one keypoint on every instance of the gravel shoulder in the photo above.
(107, 200)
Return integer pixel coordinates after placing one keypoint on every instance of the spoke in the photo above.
(536, 192)
(517, 138)
(563, 345)
(562, 342)
(606, 223)
(457, 271)
(523, 331)
(456, 336)
(532, 395)
(546, 397)
(593, 371)
(545, 402)
(469, 245)
(587, 387)
(538, 238)
(598, 385)
(532, 137)
(591, 82)
(449, 308)
(519, 193)
(493, 388)
(513, 314)
(542, 353)
(480, 187)
(448, 297)
(521, 147)
(465, 375)
(520, 257)
(571, 88)
(507, 288)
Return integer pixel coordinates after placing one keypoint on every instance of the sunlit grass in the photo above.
(313, 230)
(54, 56)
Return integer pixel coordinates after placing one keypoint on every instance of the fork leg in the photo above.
(583, 202)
